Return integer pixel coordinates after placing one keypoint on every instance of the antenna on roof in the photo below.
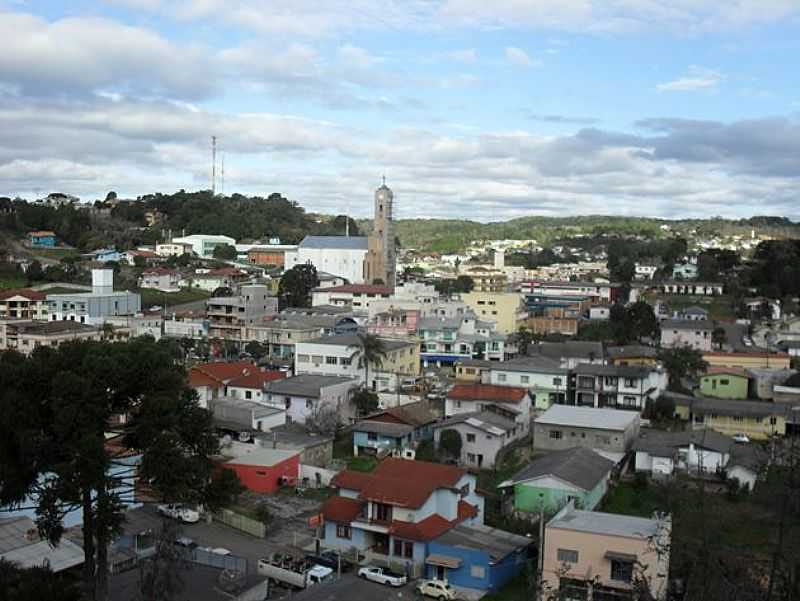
(222, 176)
(213, 165)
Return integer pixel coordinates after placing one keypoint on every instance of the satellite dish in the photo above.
(244, 436)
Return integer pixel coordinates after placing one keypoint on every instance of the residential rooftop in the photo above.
(352, 340)
(261, 456)
(487, 392)
(665, 444)
(335, 242)
(686, 324)
(50, 328)
(631, 351)
(595, 522)
(498, 543)
(578, 466)
(305, 385)
(588, 417)
(487, 421)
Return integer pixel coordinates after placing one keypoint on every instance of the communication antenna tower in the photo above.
(213, 165)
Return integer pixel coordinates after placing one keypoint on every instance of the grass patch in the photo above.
(718, 307)
(629, 498)
(152, 298)
(362, 463)
(12, 282)
(54, 253)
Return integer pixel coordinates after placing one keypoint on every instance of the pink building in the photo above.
(597, 555)
(395, 322)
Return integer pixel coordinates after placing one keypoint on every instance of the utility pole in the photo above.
(213, 165)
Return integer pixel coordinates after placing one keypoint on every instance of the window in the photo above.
(556, 434)
(471, 457)
(331, 361)
(556, 381)
(567, 556)
(309, 404)
(343, 531)
(524, 379)
(622, 571)
(630, 382)
(738, 418)
(773, 421)
(477, 571)
(344, 361)
(501, 377)
(724, 382)
(316, 359)
(408, 550)
(248, 394)
(470, 438)
(260, 473)
(372, 436)
(603, 439)
(398, 547)
(464, 490)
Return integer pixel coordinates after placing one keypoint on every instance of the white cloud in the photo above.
(697, 79)
(519, 57)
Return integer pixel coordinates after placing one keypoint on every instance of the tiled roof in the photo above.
(412, 414)
(256, 378)
(351, 480)
(487, 392)
(431, 527)
(341, 509)
(466, 511)
(226, 370)
(578, 466)
(733, 371)
(33, 295)
(160, 271)
(199, 378)
(42, 233)
(755, 355)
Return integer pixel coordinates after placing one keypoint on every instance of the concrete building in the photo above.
(341, 256)
(203, 245)
(229, 316)
(266, 255)
(506, 309)
(660, 454)
(610, 432)
(160, 278)
(94, 307)
(599, 291)
(236, 415)
(174, 249)
(476, 371)
(339, 356)
(551, 481)
(211, 279)
(280, 336)
(357, 297)
(748, 360)
(304, 396)
(691, 288)
(23, 303)
(695, 334)
(569, 354)
(446, 340)
(510, 402)
(485, 279)
(380, 264)
(544, 378)
(725, 383)
(605, 555)
(395, 428)
(483, 435)
(622, 387)
(632, 354)
(264, 470)
(25, 336)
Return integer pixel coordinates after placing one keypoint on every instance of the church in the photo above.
(368, 259)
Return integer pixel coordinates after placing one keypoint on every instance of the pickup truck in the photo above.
(439, 589)
(382, 576)
(179, 512)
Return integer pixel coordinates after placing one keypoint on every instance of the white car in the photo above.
(177, 511)
(382, 576)
(438, 589)
(739, 437)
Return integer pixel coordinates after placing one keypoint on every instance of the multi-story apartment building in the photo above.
(94, 307)
(228, 316)
(340, 356)
(598, 291)
(160, 278)
(623, 386)
(448, 340)
(280, 336)
(358, 297)
(511, 402)
(393, 322)
(506, 309)
(305, 395)
(391, 514)
(23, 303)
(25, 336)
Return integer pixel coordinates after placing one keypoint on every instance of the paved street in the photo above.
(351, 587)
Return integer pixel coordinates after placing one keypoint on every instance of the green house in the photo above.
(725, 383)
(551, 481)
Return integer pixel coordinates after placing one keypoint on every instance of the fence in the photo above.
(215, 560)
(241, 522)
(315, 477)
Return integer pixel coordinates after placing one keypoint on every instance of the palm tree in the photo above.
(370, 350)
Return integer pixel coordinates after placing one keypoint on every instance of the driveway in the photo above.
(351, 587)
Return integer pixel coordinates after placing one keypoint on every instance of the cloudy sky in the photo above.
(471, 108)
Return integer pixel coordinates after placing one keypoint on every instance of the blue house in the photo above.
(394, 428)
(477, 557)
(42, 239)
(105, 255)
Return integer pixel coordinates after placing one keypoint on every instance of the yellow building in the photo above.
(486, 279)
(758, 420)
(748, 360)
(507, 309)
(632, 354)
(473, 370)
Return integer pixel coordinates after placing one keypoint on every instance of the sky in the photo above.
(471, 109)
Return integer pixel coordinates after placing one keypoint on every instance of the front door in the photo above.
(441, 573)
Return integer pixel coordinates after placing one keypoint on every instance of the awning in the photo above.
(446, 561)
(620, 556)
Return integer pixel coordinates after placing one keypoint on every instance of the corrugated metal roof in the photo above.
(588, 417)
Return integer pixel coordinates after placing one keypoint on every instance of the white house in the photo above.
(342, 256)
(687, 332)
(304, 395)
(355, 296)
(173, 249)
(476, 398)
(544, 378)
(660, 453)
(242, 415)
(165, 280)
(203, 245)
(483, 434)
(619, 386)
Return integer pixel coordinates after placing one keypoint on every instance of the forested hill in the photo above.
(445, 235)
(123, 224)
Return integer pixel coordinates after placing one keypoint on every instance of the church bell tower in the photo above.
(382, 259)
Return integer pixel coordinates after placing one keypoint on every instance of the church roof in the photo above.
(335, 242)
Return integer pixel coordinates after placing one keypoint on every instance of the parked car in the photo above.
(742, 438)
(177, 511)
(382, 576)
(220, 551)
(439, 589)
(185, 541)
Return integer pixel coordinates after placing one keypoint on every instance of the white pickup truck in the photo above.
(293, 573)
(179, 512)
(382, 576)
(438, 589)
